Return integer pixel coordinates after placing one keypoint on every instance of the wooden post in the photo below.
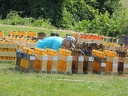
(97, 67)
(29, 59)
(66, 68)
(31, 63)
(18, 60)
(54, 64)
(100, 67)
(38, 61)
(120, 65)
(115, 65)
(114, 61)
(89, 65)
(69, 65)
(80, 65)
(126, 65)
(103, 66)
(44, 64)
(75, 64)
(21, 64)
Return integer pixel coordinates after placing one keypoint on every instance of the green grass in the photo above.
(7, 28)
(17, 83)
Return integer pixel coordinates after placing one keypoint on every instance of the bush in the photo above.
(13, 18)
(40, 22)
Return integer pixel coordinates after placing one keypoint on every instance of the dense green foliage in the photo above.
(106, 17)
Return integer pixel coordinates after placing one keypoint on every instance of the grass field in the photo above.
(125, 3)
(7, 28)
(17, 83)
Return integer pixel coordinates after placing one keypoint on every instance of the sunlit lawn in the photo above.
(8, 28)
(125, 3)
(17, 83)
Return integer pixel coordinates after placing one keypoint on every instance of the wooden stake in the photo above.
(80, 64)
(44, 64)
(126, 65)
(54, 64)
(69, 65)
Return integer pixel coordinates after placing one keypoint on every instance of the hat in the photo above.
(72, 40)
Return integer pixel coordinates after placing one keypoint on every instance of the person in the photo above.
(54, 34)
(41, 35)
(55, 42)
